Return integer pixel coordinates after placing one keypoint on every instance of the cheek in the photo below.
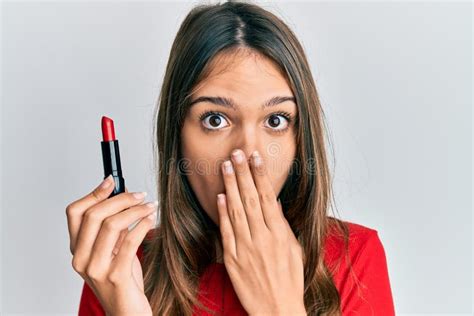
(278, 171)
(206, 184)
(202, 169)
(196, 145)
(279, 164)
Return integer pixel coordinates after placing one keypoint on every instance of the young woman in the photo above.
(244, 191)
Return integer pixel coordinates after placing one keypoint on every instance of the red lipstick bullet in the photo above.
(108, 130)
(111, 155)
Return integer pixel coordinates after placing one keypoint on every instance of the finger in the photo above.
(112, 228)
(235, 209)
(76, 210)
(225, 227)
(124, 259)
(123, 233)
(248, 192)
(287, 225)
(94, 217)
(272, 212)
(284, 218)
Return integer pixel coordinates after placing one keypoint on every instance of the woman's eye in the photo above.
(214, 121)
(278, 122)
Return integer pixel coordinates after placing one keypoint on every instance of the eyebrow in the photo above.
(229, 103)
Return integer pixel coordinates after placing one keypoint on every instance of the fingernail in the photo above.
(139, 195)
(228, 167)
(220, 198)
(152, 204)
(256, 158)
(106, 182)
(237, 154)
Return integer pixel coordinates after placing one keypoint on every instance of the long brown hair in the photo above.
(184, 243)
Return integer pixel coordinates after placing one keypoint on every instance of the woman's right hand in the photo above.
(104, 250)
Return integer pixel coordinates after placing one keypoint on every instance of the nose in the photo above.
(248, 141)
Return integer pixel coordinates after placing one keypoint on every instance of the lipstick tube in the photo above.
(111, 155)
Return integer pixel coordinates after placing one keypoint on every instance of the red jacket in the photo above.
(364, 289)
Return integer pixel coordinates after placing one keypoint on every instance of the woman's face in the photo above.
(237, 88)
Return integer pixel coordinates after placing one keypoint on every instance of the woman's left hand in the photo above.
(261, 254)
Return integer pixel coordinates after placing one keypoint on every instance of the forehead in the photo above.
(243, 75)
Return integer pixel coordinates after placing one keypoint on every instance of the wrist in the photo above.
(297, 311)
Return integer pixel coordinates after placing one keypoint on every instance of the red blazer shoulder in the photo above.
(361, 274)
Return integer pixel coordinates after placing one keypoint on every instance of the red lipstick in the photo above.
(111, 155)
(108, 130)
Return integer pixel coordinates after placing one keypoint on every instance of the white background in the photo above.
(395, 80)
